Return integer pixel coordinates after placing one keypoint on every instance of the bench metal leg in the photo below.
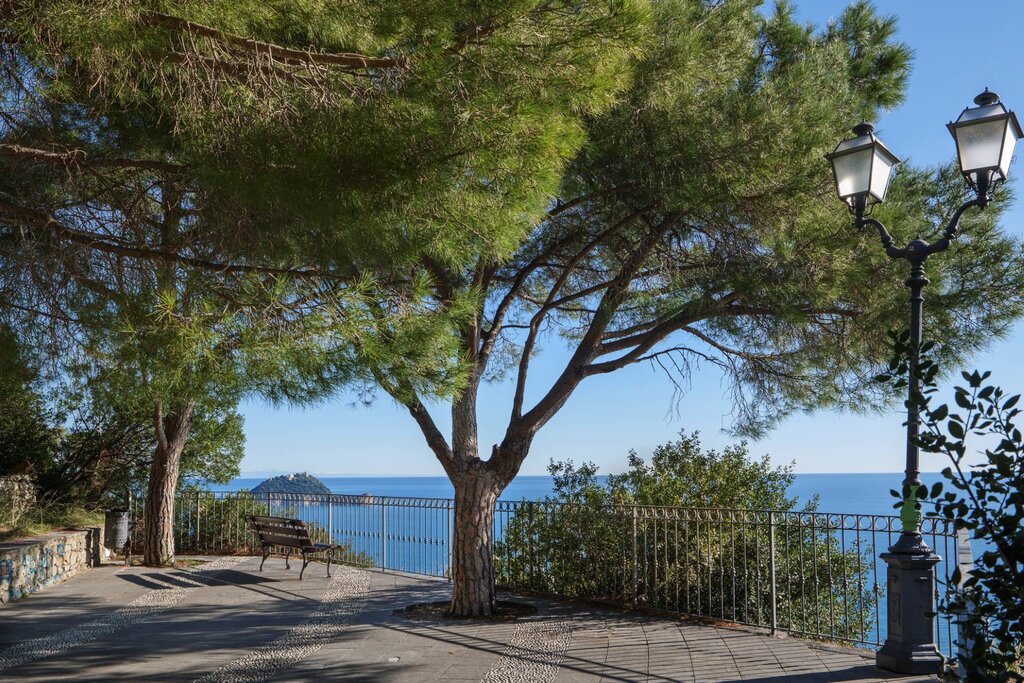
(286, 556)
(330, 556)
(305, 561)
(266, 554)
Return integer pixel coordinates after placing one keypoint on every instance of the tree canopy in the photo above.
(203, 201)
(697, 227)
(376, 132)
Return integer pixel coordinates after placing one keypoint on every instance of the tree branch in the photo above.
(435, 439)
(538, 317)
(274, 52)
(613, 298)
(96, 242)
(79, 158)
(637, 334)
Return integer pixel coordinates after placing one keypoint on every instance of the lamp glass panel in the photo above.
(979, 144)
(1009, 143)
(853, 172)
(880, 174)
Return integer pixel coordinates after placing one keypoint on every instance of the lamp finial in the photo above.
(986, 98)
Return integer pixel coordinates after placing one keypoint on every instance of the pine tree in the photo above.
(214, 199)
(698, 227)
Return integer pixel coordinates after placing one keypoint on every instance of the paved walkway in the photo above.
(225, 621)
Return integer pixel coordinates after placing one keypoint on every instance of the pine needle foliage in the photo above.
(377, 130)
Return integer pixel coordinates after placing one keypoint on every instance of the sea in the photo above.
(866, 494)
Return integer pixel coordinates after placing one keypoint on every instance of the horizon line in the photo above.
(340, 475)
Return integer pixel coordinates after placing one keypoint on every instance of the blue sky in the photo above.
(959, 50)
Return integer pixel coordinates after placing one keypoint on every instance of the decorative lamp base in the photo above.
(910, 645)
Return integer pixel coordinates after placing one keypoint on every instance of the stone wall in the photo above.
(29, 565)
(17, 495)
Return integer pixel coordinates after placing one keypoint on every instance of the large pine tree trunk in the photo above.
(478, 484)
(172, 433)
(473, 545)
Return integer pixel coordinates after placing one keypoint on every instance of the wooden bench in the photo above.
(290, 534)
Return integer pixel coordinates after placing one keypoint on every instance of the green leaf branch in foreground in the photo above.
(984, 495)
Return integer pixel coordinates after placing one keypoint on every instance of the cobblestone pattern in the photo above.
(534, 652)
(17, 495)
(143, 607)
(342, 600)
(31, 565)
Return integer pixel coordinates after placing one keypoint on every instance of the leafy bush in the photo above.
(631, 540)
(40, 519)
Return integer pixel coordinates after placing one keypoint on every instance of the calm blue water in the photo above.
(848, 493)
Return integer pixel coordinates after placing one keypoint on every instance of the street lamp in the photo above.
(862, 167)
(985, 136)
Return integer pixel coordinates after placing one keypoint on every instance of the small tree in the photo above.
(84, 451)
(28, 436)
(986, 498)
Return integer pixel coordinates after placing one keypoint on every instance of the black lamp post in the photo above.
(985, 138)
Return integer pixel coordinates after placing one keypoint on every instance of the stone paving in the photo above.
(226, 621)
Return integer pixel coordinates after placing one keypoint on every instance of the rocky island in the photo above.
(300, 482)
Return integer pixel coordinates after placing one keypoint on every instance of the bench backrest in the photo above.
(282, 531)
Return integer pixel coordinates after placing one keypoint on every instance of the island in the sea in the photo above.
(300, 482)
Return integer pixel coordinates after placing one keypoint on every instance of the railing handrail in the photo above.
(811, 515)
(365, 498)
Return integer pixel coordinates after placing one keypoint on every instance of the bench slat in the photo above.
(284, 532)
(270, 521)
(287, 541)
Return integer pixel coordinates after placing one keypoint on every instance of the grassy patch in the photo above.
(41, 520)
(187, 562)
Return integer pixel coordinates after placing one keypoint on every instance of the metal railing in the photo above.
(811, 574)
(965, 638)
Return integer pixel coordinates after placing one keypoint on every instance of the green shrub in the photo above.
(690, 532)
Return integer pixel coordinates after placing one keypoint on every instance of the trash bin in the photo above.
(115, 529)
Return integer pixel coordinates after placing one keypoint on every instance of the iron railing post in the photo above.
(383, 536)
(532, 550)
(198, 521)
(636, 577)
(772, 590)
(330, 518)
(965, 633)
(449, 506)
